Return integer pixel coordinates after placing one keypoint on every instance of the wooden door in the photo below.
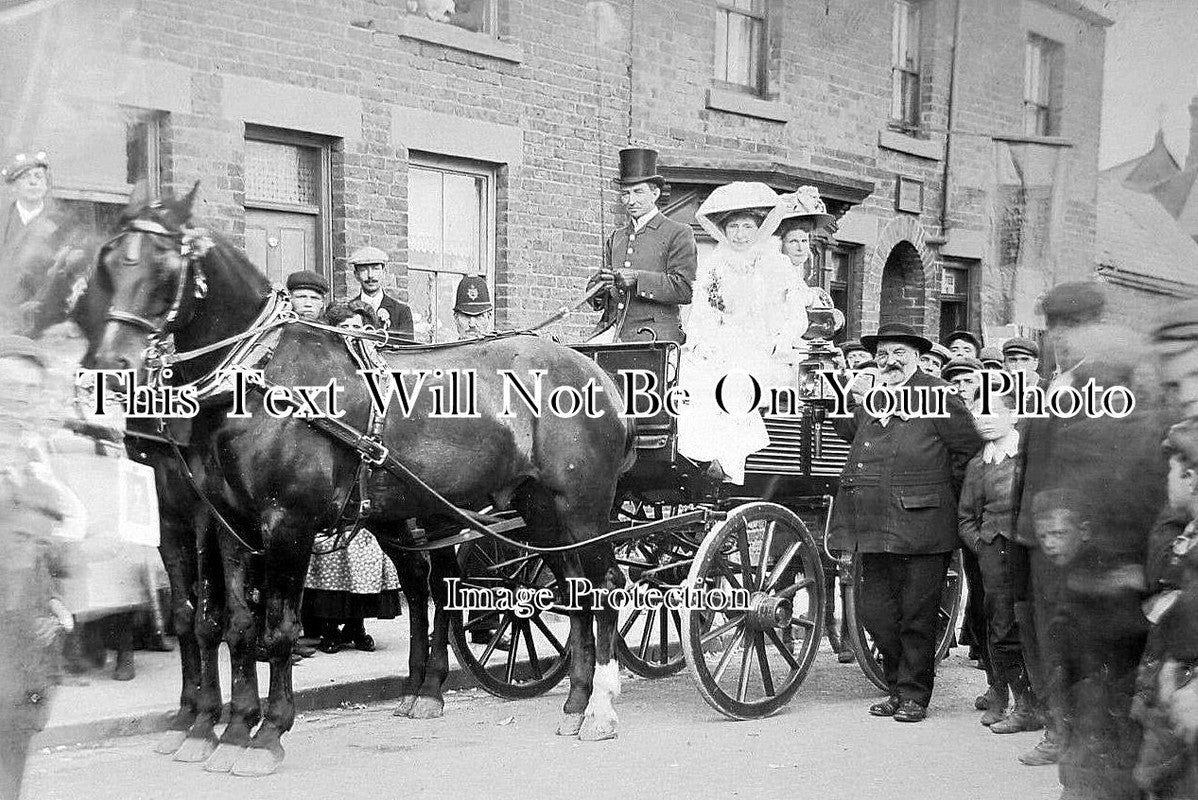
(280, 242)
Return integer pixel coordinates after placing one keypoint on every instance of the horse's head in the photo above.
(152, 271)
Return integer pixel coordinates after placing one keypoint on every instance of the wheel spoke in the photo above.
(722, 565)
(627, 626)
(767, 678)
(663, 655)
(727, 656)
(742, 547)
(746, 666)
(804, 622)
(720, 631)
(795, 588)
(486, 615)
(780, 568)
(782, 648)
(553, 640)
(510, 674)
(646, 635)
(533, 661)
(499, 632)
(766, 545)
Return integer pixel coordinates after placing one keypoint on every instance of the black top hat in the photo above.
(898, 332)
(639, 165)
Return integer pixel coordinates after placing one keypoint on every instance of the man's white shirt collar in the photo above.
(374, 301)
(639, 223)
(998, 450)
(31, 213)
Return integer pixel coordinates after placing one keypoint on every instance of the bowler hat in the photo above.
(896, 332)
(967, 336)
(22, 163)
(307, 279)
(1073, 303)
(367, 255)
(473, 297)
(639, 165)
(1020, 346)
(958, 365)
(852, 346)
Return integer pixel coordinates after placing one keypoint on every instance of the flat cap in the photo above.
(1020, 346)
(961, 365)
(990, 355)
(941, 352)
(367, 255)
(973, 339)
(22, 163)
(1074, 303)
(21, 347)
(306, 279)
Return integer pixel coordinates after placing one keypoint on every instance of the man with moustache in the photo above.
(648, 265)
(369, 265)
(897, 507)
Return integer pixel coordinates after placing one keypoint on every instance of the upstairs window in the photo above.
(472, 15)
(904, 66)
(1042, 87)
(740, 31)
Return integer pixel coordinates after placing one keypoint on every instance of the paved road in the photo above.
(671, 745)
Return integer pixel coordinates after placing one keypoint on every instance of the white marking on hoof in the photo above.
(170, 742)
(601, 719)
(257, 762)
(570, 725)
(194, 750)
(224, 758)
(404, 709)
(427, 708)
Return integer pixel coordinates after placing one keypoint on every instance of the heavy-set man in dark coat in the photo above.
(897, 507)
(648, 265)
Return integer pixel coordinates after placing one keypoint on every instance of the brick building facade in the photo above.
(481, 135)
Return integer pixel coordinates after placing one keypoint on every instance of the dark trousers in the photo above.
(973, 626)
(900, 608)
(1005, 662)
(1035, 583)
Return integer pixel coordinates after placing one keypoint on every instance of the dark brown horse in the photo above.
(286, 481)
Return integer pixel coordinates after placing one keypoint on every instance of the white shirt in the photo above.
(998, 450)
(374, 301)
(31, 213)
(639, 223)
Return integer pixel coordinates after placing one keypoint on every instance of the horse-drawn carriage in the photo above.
(685, 532)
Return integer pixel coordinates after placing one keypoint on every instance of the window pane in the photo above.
(473, 15)
(911, 51)
(953, 281)
(910, 98)
(740, 50)
(721, 45)
(282, 173)
(424, 219)
(462, 246)
(140, 148)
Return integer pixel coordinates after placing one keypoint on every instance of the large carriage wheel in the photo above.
(863, 645)
(749, 662)
(650, 639)
(537, 655)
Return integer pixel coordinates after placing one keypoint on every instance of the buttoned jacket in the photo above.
(663, 256)
(899, 489)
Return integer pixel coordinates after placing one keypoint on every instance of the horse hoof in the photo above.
(257, 762)
(194, 750)
(170, 742)
(570, 725)
(404, 709)
(223, 759)
(595, 729)
(427, 708)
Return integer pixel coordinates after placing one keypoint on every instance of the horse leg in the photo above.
(241, 635)
(599, 721)
(179, 557)
(582, 657)
(413, 570)
(206, 625)
(430, 702)
(288, 541)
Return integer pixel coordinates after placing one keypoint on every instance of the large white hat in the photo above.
(805, 203)
(739, 196)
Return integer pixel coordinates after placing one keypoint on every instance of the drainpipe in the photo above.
(948, 134)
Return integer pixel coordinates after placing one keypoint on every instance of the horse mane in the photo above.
(245, 276)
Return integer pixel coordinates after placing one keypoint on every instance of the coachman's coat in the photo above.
(665, 258)
(898, 493)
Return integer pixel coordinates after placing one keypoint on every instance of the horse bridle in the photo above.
(193, 244)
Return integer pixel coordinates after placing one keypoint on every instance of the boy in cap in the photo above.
(309, 291)
(1021, 355)
(855, 354)
(991, 358)
(473, 314)
(369, 265)
(933, 361)
(963, 344)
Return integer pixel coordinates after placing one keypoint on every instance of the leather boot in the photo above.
(996, 708)
(124, 670)
(1024, 716)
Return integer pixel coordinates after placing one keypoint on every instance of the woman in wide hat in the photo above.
(747, 316)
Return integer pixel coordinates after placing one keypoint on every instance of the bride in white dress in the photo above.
(747, 318)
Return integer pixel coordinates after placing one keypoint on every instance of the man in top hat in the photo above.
(1021, 355)
(648, 265)
(897, 507)
(473, 314)
(963, 344)
(369, 265)
(933, 361)
(309, 293)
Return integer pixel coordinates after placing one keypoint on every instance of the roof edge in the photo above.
(1079, 10)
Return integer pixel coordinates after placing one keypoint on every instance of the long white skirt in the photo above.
(707, 432)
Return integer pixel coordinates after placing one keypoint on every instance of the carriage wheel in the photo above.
(867, 654)
(538, 655)
(749, 662)
(650, 639)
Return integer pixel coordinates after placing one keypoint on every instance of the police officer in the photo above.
(309, 293)
(369, 265)
(648, 265)
(473, 314)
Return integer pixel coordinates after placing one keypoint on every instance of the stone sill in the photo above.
(446, 35)
(901, 143)
(747, 106)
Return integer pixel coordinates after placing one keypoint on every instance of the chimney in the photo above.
(1192, 156)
